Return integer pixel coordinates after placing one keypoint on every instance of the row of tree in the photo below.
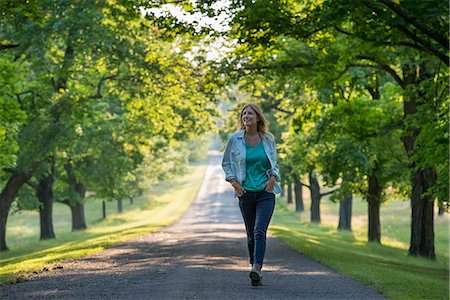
(359, 93)
(94, 97)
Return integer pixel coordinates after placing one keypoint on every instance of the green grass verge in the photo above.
(160, 207)
(385, 267)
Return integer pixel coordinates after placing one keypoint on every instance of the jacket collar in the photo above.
(240, 135)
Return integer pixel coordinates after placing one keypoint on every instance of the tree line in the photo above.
(359, 96)
(95, 98)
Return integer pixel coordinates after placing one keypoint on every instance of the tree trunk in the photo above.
(345, 213)
(78, 219)
(76, 207)
(298, 188)
(315, 198)
(45, 197)
(119, 205)
(441, 210)
(422, 223)
(282, 182)
(104, 209)
(7, 196)
(131, 200)
(289, 192)
(374, 200)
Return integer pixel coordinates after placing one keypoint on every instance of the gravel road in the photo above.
(202, 256)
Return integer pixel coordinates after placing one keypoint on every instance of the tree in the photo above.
(131, 74)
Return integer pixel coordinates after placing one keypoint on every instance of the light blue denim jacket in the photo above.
(233, 162)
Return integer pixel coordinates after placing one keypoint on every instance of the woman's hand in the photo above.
(270, 184)
(238, 188)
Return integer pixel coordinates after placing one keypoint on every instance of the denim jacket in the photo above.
(233, 162)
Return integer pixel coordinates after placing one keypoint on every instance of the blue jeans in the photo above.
(257, 209)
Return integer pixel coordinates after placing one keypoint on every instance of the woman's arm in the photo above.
(226, 162)
(275, 171)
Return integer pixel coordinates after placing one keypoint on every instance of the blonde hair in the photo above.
(262, 125)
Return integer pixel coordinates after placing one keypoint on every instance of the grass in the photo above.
(160, 207)
(385, 267)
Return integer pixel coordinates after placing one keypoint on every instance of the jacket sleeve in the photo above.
(275, 171)
(226, 162)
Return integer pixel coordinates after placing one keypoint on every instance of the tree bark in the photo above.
(7, 196)
(374, 200)
(422, 223)
(315, 198)
(45, 197)
(119, 205)
(78, 219)
(298, 188)
(282, 183)
(441, 210)
(76, 207)
(104, 209)
(289, 192)
(345, 213)
(422, 214)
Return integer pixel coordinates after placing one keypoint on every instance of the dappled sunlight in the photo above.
(395, 227)
(104, 234)
(394, 243)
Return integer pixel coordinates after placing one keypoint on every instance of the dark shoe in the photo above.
(257, 283)
(255, 274)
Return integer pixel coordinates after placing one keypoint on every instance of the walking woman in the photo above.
(250, 166)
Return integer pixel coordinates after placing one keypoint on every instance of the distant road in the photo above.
(202, 256)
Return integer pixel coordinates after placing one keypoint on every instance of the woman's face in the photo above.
(249, 117)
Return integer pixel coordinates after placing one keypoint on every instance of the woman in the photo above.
(250, 166)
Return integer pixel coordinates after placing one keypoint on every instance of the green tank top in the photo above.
(257, 164)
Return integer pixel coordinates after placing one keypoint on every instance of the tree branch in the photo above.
(33, 185)
(342, 30)
(306, 185)
(424, 28)
(421, 44)
(266, 96)
(328, 193)
(427, 46)
(9, 170)
(98, 95)
(278, 66)
(162, 2)
(65, 201)
(8, 46)
(383, 67)
(274, 106)
(405, 44)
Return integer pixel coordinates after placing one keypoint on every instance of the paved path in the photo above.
(203, 256)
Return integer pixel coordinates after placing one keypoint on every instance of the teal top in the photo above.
(257, 164)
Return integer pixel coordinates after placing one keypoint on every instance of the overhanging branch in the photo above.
(98, 95)
(383, 67)
(427, 46)
(424, 28)
(8, 46)
(278, 66)
(328, 193)
(306, 185)
(33, 185)
(274, 106)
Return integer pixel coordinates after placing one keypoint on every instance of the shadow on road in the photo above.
(202, 256)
